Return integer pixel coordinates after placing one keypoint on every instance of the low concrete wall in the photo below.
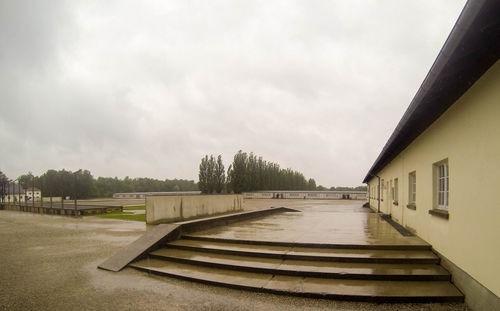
(164, 209)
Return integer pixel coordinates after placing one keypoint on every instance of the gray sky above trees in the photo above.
(146, 88)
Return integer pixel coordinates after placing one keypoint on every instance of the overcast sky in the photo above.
(146, 88)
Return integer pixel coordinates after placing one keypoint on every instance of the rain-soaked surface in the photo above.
(50, 263)
(331, 222)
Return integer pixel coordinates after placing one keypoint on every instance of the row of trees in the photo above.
(82, 184)
(249, 173)
(212, 176)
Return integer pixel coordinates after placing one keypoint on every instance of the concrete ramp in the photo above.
(149, 241)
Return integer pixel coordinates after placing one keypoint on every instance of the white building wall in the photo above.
(467, 135)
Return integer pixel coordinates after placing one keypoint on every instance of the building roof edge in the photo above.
(471, 48)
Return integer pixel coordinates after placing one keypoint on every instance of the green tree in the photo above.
(62, 183)
(252, 173)
(4, 183)
(26, 180)
(83, 183)
(3, 177)
(311, 184)
(220, 175)
(321, 188)
(211, 174)
(204, 175)
(238, 172)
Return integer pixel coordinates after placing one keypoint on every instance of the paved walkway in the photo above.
(332, 222)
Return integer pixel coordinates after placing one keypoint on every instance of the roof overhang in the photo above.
(472, 47)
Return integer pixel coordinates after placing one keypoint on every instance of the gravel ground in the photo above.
(50, 263)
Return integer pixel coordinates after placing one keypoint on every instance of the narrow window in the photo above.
(382, 193)
(396, 190)
(412, 187)
(442, 185)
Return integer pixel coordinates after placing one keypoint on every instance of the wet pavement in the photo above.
(50, 263)
(331, 222)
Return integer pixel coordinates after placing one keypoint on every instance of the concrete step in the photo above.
(406, 246)
(341, 270)
(311, 254)
(355, 290)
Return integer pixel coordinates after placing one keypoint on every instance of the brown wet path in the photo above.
(327, 222)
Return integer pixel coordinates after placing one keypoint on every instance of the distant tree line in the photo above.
(82, 184)
(249, 172)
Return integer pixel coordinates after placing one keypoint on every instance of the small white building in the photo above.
(33, 194)
(15, 193)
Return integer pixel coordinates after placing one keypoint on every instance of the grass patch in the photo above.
(124, 216)
(135, 208)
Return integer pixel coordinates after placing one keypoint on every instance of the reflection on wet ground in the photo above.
(333, 222)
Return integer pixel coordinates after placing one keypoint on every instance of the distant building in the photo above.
(142, 195)
(301, 194)
(33, 193)
(437, 173)
(14, 193)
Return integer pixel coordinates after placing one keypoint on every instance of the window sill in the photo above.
(411, 206)
(439, 213)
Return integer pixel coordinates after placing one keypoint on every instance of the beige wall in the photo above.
(468, 135)
(176, 208)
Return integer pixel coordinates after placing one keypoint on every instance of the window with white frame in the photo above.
(441, 184)
(412, 187)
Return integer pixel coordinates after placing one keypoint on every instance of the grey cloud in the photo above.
(147, 88)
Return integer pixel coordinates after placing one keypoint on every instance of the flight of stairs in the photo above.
(375, 273)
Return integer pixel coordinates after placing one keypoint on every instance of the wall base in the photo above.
(477, 297)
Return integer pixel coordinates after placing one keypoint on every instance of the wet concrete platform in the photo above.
(341, 289)
(323, 269)
(332, 222)
(49, 263)
(334, 250)
(309, 253)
